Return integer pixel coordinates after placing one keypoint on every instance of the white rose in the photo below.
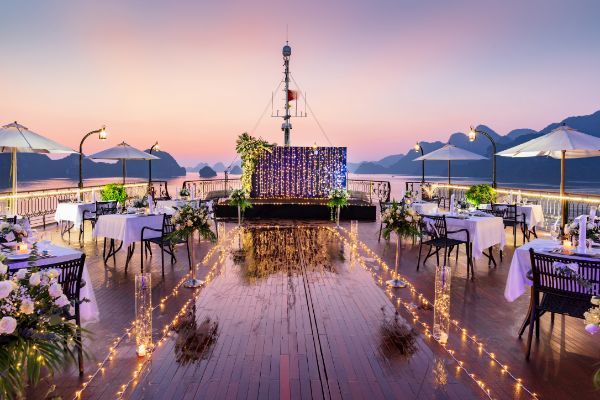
(52, 273)
(62, 301)
(21, 274)
(3, 268)
(35, 279)
(4, 225)
(5, 288)
(55, 290)
(7, 325)
(596, 300)
(27, 307)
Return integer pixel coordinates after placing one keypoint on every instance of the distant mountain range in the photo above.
(534, 169)
(217, 167)
(31, 166)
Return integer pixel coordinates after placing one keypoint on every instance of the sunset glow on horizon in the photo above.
(378, 74)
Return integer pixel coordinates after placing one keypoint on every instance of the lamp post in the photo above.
(156, 147)
(418, 147)
(102, 135)
(472, 136)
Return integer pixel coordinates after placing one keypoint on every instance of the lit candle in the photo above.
(22, 248)
(566, 244)
(141, 350)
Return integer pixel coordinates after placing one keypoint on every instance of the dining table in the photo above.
(50, 254)
(70, 214)
(127, 229)
(534, 215)
(485, 231)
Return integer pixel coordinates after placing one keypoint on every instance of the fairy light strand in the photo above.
(423, 299)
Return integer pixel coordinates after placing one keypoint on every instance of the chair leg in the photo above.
(532, 321)
(380, 227)
(162, 259)
(79, 345)
(419, 259)
(457, 251)
(552, 318)
(515, 235)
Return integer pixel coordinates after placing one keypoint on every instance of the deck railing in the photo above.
(374, 191)
(40, 205)
(577, 204)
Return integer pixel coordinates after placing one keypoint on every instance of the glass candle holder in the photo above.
(354, 229)
(143, 313)
(441, 308)
(221, 231)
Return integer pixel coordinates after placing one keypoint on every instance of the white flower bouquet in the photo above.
(187, 220)
(12, 232)
(401, 219)
(33, 329)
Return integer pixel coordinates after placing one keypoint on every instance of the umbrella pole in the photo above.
(563, 201)
(449, 189)
(124, 171)
(13, 202)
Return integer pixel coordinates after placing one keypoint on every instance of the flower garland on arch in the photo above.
(250, 149)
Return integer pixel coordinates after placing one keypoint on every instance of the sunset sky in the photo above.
(378, 74)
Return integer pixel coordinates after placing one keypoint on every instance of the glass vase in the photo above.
(441, 308)
(143, 313)
(396, 282)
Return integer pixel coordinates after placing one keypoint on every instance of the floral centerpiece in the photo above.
(592, 230)
(428, 190)
(188, 220)
(250, 149)
(241, 199)
(184, 192)
(403, 220)
(12, 232)
(337, 199)
(592, 316)
(140, 202)
(33, 331)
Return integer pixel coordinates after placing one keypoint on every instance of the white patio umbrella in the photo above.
(122, 152)
(15, 138)
(562, 143)
(450, 153)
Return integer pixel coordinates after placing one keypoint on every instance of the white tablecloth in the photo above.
(89, 310)
(517, 282)
(127, 227)
(425, 208)
(72, 212)
(484, 232)
(534, 213)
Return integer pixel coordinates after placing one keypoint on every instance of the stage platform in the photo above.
(306, 209)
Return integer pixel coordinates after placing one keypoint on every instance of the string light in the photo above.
(427, 332)
(101, 366)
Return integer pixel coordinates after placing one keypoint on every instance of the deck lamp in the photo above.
(156, 147)
(102, 135)
(472, 136)
(419, 148)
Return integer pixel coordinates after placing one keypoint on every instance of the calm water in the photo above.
(397, 182)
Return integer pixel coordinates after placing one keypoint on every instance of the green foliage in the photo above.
(337, 198)
(114, 192)
(240, 198)
(481, 194)
(250, 149)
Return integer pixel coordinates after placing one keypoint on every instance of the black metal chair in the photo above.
(435, 228)
(101, 208)
(71, 281)
(561, 292)
(383, 205)
(511, 218)
(163, 241)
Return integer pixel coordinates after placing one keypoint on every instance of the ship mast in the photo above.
(286, 127)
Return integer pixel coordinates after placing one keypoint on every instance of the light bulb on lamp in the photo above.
(472, 134)
(103, 135)
(417, 147)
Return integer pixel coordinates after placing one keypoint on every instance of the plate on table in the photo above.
(10, 245)
(18, 256)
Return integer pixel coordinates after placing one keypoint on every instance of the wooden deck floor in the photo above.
(338, 314)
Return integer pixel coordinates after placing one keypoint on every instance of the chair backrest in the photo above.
(434, 225)
(10, 220)
(547, 277)
(168, 227)
(106, 207)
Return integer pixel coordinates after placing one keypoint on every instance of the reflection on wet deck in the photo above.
(291, 315)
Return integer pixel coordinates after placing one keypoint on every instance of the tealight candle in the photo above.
(141, 350)
(566, 244)
(22, 248)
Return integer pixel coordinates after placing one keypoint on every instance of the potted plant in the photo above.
(187, 221)
(338, 198)
(33, 333)
(240, 198)
(401, 219)
(480, 194)
(114, 192)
